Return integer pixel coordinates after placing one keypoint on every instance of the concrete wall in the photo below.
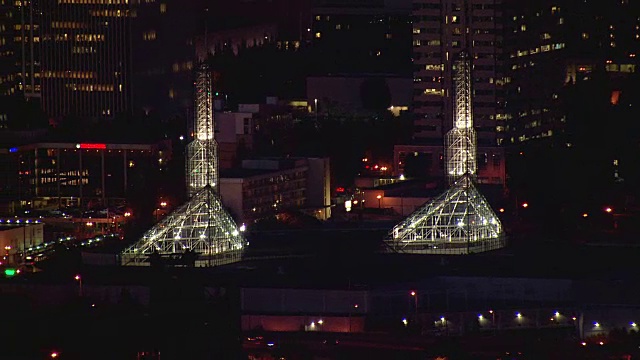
(232, 196)
(319, 186)
(44, 295)
(291, 323)
(296, 301)
(345, 92)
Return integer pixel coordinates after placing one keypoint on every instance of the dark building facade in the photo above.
(441, 29)
(361, 36)
(162, 41)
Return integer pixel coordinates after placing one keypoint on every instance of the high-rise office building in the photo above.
(554, 46)
(19, 62)
(86, 57)
(442, 29)
(19, 48)
(90, 58)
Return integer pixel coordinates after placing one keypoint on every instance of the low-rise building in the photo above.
(263, 187)
(17, 235)
(71, 174)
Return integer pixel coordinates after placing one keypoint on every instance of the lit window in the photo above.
(149, 35)
(318, 35)
(163, 8)
(585, 36)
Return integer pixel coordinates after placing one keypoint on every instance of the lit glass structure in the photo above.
(459, 221)
(202, 225)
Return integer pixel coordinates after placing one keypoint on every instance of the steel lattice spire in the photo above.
(202, 163)
(460, 141)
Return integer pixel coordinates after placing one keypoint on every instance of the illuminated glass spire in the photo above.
(202, 225)
(459, 221)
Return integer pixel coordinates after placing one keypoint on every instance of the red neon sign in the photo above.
(93, 146)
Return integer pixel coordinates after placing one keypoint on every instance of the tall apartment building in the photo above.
(553, 46)
(441, 29)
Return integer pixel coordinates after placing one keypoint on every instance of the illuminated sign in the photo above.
(93, 146)
(10, 272)
(13, 149)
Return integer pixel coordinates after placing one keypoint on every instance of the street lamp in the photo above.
(78, 278)
(379, 197)
(415, 301)
(316, 107)
(493, 321)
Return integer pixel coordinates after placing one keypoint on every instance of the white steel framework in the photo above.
(201, 226)
(202, 152)
(460, 220)
(460, 141)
